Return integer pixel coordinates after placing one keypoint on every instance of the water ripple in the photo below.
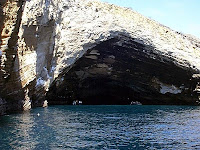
(102, 127)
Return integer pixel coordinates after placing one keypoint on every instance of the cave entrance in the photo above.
(118, 72)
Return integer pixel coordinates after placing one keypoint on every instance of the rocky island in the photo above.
(65, 50)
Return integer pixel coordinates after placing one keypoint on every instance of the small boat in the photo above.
(135, 103)
(76, 102)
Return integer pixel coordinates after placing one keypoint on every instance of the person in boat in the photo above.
(135, 103)
(77, 102)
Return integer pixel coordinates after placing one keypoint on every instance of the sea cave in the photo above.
(120, 71)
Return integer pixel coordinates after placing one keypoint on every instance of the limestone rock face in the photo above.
(11, 92)
(120, 72)
(42, 39)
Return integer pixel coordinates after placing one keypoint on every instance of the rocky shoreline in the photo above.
(51, 48)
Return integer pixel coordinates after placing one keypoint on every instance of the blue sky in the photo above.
(180, 15)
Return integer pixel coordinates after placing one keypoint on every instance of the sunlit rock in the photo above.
(53, 44)
(45, 104)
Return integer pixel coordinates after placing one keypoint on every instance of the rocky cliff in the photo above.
(63, 50)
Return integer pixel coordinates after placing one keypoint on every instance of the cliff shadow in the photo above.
(123, 70)
(11, 89)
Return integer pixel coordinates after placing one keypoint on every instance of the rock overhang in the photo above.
(55, 34)
(121, 70)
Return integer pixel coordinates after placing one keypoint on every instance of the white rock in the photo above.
(66, 29)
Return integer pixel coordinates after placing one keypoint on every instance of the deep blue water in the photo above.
(102, 127)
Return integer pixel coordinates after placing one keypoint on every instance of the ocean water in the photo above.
(102, 127)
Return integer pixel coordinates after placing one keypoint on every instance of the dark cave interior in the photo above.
(117, 72)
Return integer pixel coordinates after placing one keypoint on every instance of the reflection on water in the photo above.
(15, 131)
(21, 132)
(102, 127)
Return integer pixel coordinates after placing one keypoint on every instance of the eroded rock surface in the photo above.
(11, 91)
(119, 71)
(40, 46)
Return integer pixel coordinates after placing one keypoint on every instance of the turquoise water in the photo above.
(102, 127)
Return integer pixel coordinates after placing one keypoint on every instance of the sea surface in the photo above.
(102, 127)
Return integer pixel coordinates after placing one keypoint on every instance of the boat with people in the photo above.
(77, 102)
(135, 103)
